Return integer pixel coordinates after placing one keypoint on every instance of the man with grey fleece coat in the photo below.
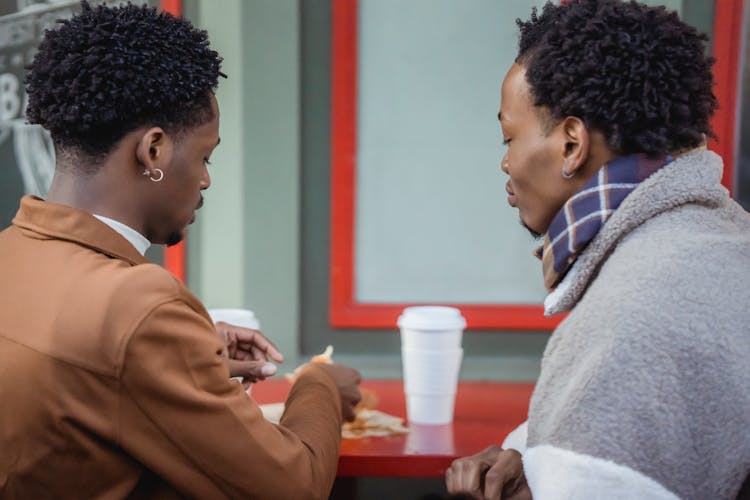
(644, 390)
(644, 386)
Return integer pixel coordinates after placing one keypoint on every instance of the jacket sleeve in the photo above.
(183, 418)
(554, 473)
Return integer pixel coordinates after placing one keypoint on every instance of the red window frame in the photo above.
(344, 310)
(727, 38)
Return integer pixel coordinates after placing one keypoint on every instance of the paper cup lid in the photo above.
(431, 318)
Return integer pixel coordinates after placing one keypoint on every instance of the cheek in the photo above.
(190, 174)
(532, 173)
(529, 168)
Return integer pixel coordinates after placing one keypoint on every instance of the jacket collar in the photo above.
(694, 177)
(586, 212)
(53, 221)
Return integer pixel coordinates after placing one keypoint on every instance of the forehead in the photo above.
(515, 98)
(517, 105)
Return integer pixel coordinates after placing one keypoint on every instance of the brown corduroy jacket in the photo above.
(112, 384)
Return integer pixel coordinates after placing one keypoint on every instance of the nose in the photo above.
(504, 163)
(205, 179)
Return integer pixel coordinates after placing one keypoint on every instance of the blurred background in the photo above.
(358, 170)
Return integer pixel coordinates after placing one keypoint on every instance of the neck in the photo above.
(98, 193)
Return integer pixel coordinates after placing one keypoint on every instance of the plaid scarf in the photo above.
(580, 219)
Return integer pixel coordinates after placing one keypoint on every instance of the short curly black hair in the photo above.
(637, 74)
(110, 70)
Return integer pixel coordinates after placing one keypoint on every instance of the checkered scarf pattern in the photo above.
(580, 219)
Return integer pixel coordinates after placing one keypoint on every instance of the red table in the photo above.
(485, 413)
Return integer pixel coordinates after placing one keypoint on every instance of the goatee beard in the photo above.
(174, 238)
(533, 233)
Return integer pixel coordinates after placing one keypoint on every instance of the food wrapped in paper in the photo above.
(368, 421)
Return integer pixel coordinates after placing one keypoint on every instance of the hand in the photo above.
(490, 474)
(247, 352)
(347, 380)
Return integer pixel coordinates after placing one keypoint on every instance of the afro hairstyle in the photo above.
(637, 74)
(110, 70)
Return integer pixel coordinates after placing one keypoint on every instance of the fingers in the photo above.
(256, 353)
(348, 414)
(350, 398)
(252, 341)
(255, 340)
(467, 475)
(505, 479)
(251, 371)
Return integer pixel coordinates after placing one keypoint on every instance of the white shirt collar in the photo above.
(134, 237)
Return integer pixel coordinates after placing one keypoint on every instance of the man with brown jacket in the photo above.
(112, 380)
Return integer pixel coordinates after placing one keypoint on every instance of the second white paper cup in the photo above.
(239, 317)
(431, 409)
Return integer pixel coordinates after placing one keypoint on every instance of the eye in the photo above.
(506, 142)
(206, 161)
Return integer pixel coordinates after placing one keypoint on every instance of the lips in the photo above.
(197, 207)
(511, 195)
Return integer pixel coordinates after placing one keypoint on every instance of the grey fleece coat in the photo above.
(651, 368)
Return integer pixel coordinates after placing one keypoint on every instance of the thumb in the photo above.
(251, 369)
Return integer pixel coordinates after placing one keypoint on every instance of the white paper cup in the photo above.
(431, 372)
(431, 327)
(430, 409)
(431, 357)
(239, 317)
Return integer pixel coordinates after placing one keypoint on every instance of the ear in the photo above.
(576, 144)
(154, 150)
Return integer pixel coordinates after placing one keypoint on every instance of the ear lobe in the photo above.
(576, 144)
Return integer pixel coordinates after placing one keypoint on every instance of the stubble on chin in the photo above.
(534, 234)
(174, 238)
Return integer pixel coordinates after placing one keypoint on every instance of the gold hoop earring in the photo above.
(567, 176)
